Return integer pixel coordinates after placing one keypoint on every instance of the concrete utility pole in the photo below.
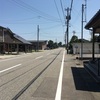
(68, 17)
(37, 37)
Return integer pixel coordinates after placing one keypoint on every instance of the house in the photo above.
(11, 42)
(40, 45)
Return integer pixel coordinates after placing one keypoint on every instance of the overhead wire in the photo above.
(59, 15)
(58, 12)
(54, 26)
(62, 8)
(21, 20)
(33, 9)
(24, 5)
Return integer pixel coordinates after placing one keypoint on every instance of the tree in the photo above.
(60, 44)
(96, 38)
(55, 45)
(50, 44)
(74, 39)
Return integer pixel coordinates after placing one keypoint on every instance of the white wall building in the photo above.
(87, 48)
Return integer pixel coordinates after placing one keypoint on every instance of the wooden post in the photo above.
(25, 48)
(8, 48)
(17, 49)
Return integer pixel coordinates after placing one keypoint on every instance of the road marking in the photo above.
(39, 57)
(9, 68)
(59, 87)
(15, 57)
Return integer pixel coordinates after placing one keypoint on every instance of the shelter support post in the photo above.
(8, 48)
(93, 45)
(17, 49)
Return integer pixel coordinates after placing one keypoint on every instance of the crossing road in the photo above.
(47, 75)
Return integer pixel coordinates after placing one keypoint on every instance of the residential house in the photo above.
(11, 42)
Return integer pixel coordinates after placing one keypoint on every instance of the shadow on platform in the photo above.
(83, 81)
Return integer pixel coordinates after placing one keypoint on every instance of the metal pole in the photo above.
(82, 33)
(37, 37)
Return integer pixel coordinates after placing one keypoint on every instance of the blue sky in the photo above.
(23, 16)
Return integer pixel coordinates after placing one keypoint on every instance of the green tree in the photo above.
(96, 38)
(74, 39)
(50, 44)
(55, 45)
(60, 44)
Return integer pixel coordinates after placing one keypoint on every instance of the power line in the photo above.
(54, 26)
(50, 19)
(58, 12)
(31, 8)
(62, 9)
(20, 20)
(59, 15)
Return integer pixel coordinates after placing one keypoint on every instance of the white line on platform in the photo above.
(9, 68)
(39, 57)
(59, 87)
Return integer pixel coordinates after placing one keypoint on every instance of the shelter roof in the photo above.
(94, 23)
(21, 39)
(16, 36)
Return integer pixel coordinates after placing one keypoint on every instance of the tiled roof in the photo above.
(16, 36)
(21, 39)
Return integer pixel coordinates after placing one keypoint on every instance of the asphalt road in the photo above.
(47, 75)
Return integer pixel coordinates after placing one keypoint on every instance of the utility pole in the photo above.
(82, 32)
(37, 37)
(68, 17)
(83, 7)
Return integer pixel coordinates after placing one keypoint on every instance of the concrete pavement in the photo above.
(77, 84)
